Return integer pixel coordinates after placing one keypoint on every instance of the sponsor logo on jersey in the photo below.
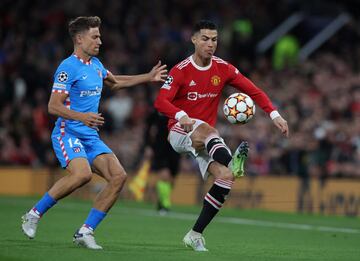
(91, 92)
(192, 83)
(62, 76)
(215, 80)
(59, 85)
(193, 96)
(167, 83)
(84, 77)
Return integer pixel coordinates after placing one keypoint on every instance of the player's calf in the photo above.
(213, 202)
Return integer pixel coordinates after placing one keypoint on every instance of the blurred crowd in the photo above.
(320, 98)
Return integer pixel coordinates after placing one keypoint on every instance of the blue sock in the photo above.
(94, 218)
(44, 204)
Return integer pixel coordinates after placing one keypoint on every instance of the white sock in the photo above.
(84, 230)
(33, 213)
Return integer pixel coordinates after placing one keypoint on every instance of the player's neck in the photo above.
(202, 62)
(81, 55)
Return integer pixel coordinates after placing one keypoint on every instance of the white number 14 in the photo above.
(76, 142)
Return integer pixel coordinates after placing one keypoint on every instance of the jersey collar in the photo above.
(81, 60)
(199, 67)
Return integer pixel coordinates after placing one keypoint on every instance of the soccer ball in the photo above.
(239, 108)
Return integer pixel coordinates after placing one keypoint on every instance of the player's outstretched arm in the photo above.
(56, 107)
(157, 74)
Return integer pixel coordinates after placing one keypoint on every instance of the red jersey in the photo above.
(197, 90)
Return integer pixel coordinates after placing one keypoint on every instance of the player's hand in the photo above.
(92, 120)
(158, 73)
(186, 123)
(282, 125)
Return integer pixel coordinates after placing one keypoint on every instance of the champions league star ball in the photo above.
(239, 108)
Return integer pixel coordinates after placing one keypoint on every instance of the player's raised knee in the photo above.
(118, 179)
(83, 177)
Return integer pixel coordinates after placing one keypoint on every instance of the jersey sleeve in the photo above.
(243, 84)
(64, 78)
(167, 93)
(104, 72)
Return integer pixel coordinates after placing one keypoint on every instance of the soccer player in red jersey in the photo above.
(189, 98)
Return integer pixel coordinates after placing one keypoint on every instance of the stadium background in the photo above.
(319, 96)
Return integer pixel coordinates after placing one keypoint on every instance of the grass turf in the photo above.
(134, 231)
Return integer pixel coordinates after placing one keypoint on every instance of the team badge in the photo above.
(99, 73)
(62, 76)
(77, 149)
(215, 80)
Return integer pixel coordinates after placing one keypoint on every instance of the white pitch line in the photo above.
(251, 222)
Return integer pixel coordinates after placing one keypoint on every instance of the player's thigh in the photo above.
(108, 166)
(200, 134)
(80, 168)
(219, 171)
(193, 141)
(95, 147)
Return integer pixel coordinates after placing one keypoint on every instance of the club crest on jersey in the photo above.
(99, 72)
(167, 83)
(215, 80)
(62, 76)
(77, 149)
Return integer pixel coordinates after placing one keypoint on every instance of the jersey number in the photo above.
(76, 142)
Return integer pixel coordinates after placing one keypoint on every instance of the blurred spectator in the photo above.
(286, 52)
(119, 106)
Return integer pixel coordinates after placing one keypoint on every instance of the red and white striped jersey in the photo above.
(197, 90)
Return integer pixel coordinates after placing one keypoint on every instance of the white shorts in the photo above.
(181, 143)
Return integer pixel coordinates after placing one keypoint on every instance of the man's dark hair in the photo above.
(204, 24)
(83, 23)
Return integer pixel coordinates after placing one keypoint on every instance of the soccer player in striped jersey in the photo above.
(189, 98)
(75, 98)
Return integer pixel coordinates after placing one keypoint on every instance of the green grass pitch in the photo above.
(134, 231)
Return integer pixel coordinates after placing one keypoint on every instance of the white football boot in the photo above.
(29, 225)
(86, 240)
(195, 240)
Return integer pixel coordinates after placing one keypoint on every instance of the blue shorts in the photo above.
(68, 147)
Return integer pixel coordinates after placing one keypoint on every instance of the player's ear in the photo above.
(78, 38)
(193, 39)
